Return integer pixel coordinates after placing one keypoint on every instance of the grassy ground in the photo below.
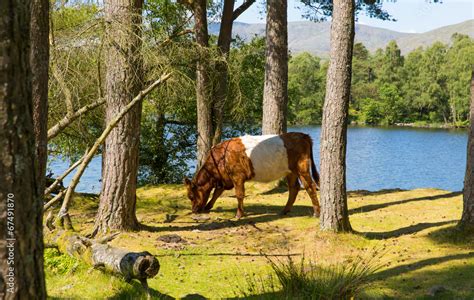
(414, 230)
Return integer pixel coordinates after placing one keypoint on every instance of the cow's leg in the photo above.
(240, 194)
(294, 188)
(309, 185)
(217, 193)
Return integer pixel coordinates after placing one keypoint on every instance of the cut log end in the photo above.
(131, 265)
(146, 266)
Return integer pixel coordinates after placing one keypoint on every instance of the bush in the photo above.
(58, 263)
(371, 112)
(309, 280)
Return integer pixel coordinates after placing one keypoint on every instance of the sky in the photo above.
(413, 16)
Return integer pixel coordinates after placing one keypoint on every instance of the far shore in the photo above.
(438, 126)
(416, 125)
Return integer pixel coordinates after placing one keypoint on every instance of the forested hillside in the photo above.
(313, 37)
(426, 86)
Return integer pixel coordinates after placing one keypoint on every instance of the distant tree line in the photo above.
(426, 86)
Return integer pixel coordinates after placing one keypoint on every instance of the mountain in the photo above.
(442, 34)
(314, 37)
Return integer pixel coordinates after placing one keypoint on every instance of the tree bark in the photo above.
(467, 219)
(334, 215)
(21, 239)
(203, 102)
(223, 44)
(275, 94)
(39, 61)
(123, 82)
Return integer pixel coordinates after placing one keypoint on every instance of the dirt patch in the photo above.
(172, 242)
(172, 238)
(201, 217)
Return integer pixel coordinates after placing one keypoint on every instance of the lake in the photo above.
(377, 158)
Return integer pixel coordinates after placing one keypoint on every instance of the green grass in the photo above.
(310, 280)
(416, 229)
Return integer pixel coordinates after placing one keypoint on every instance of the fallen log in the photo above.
(97, 253)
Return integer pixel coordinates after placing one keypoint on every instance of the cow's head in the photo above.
(198, 195)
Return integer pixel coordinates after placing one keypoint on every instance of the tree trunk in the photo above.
(220, 93)
(210, 107)
(39, 61)
(275, 94)
(467, 220)
(204, 104)
(21, 242)
(334, 215)
(123, 82)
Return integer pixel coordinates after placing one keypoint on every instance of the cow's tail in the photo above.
(314, 171)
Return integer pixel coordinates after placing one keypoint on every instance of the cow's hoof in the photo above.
(283, 213)
(316, 214)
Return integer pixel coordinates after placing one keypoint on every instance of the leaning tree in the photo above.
(21, 251)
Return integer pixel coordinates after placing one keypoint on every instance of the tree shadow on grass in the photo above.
(358, 193)
(193, 297)
(256, 214)
(401, 269)
(280, 188)
(233, 254)
(450, 282)
(453, 235)
(403, 231)
(372, 207)
(135, 290)
(264, 296)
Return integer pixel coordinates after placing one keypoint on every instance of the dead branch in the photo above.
(63, 212)
(49, 221)
(60, 178)
(178, 34)
(243, 7)
(67, 93)
(69, 118)
(54, 200)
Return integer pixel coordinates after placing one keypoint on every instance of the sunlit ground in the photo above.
(423, 253)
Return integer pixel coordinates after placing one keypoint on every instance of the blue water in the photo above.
(377, 158)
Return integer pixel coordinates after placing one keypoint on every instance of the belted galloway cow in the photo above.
(262, 158)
